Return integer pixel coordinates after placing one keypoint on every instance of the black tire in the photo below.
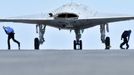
(36, 43)
(80, 44)
(74, 44)
(107, 43)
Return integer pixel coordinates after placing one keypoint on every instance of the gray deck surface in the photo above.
(67, 62)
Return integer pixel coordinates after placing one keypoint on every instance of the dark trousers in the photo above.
(11, 36)
(125, 41)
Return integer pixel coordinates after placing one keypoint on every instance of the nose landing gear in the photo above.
(77, 43)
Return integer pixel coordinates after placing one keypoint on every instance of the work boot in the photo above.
(122, 48)
(127, 46)
(19, 48)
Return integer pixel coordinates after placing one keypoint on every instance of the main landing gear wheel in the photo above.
(36, 43)
(78, 45)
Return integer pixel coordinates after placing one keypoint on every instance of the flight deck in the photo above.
(66, 62)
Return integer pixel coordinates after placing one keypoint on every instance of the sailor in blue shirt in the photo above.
(10, 32)
(125, 36)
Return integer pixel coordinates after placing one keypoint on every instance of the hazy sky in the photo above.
(55, 39)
